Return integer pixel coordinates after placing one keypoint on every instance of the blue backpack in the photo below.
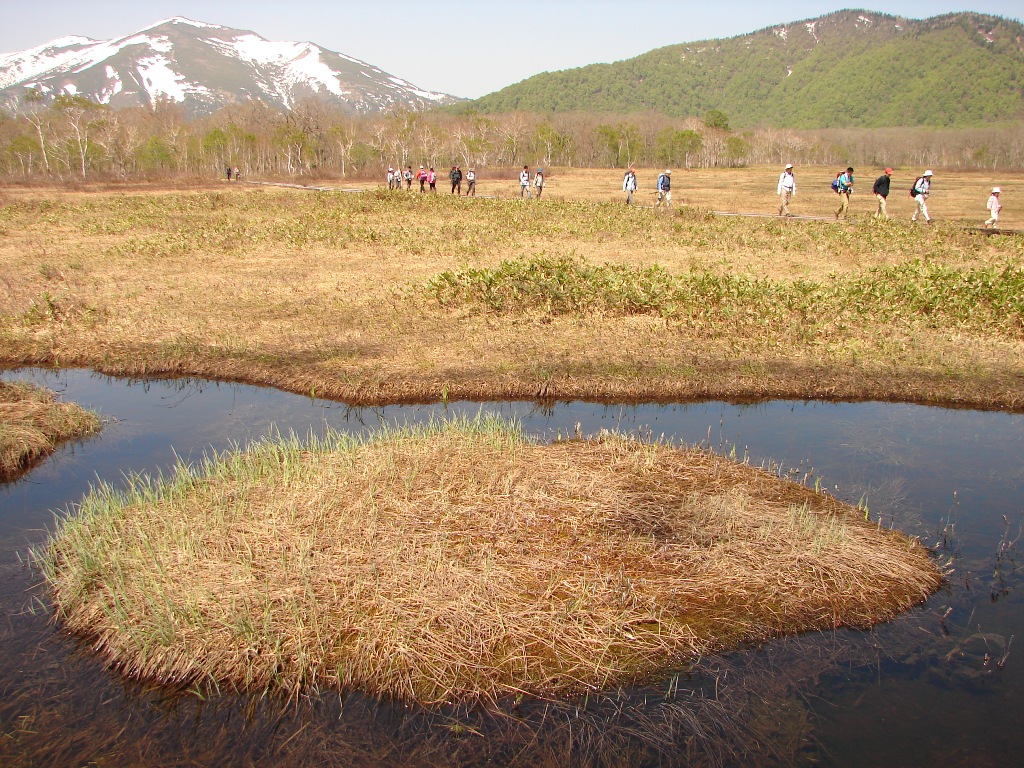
(836, 186)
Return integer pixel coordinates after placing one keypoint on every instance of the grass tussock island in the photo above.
(399, 297)
(461, 561)
(33, 424)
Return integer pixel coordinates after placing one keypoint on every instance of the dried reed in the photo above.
(460, 561)
(32, 424)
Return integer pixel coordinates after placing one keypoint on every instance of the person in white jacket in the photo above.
(524, 183)
(629, 184)
(786, 189)
(994, 207)
(920, 191)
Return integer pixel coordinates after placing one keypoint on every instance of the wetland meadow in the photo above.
(473, 577)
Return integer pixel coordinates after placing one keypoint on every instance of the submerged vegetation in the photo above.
(32, 424)
(461, 561)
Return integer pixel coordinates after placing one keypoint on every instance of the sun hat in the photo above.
(668, 171)
(889, 171)
(788, 166)
(928, 173)
(995, 190)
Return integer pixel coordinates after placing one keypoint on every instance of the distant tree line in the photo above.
(74, 138)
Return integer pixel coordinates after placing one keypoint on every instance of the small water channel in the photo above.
(942, 685)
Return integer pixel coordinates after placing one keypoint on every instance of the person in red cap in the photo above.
(881, 192)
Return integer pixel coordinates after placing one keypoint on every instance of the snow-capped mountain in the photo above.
(204, 67)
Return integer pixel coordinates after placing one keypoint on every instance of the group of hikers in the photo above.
(524, 182)
(427, 179)
(663, 187)
(842, 185)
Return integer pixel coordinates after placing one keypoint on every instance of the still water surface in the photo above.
(942, 685)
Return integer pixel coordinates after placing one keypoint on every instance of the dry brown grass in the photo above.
(460, 561)
(33, 424)
(311, 292)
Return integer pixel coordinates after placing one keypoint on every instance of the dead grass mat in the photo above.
(33, 424)
(456, 563)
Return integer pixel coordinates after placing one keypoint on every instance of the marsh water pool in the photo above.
(942, 685)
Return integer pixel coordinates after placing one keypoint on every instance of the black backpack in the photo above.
(913, 190)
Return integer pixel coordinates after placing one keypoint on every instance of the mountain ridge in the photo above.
(848, 68)
(204, 66)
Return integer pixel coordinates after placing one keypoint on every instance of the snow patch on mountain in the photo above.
(223, 65)
(160, 80)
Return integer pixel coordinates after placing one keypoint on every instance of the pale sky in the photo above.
(463, 47)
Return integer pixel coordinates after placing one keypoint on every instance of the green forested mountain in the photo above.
(849, 68)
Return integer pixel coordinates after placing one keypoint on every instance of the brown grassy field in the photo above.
(462, 562)
(33, 424)
(380, 297)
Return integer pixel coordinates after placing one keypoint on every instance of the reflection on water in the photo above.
(941, 685)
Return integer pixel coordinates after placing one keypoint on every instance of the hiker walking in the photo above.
(228, 172)
(664, 189)
(421, 177)
(470, 183)
(456, 177)
(629, 184)
(920, 191)
(786, 189)
(994, 207)
(538, 182)
(238, 173)
(408, 178)
(524, 183)
(845, 189)
(880, 190)
(432, 180)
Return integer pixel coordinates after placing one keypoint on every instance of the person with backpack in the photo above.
(994, 207)
(786, 189)
(629, 184)
(421, 177)
(471, 183)
(408, 178)
(881, 191)
(538, 182)
(432, 180)
(524, 183)
(664, 189)
(920, 191)
(456, 177)
(845, 189)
